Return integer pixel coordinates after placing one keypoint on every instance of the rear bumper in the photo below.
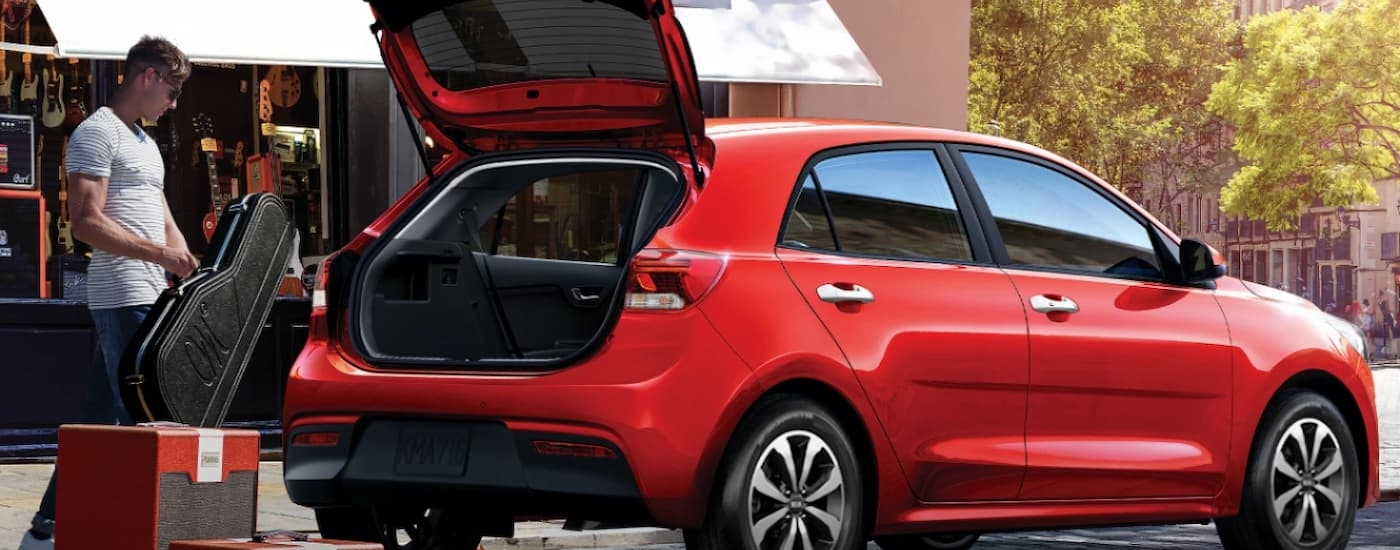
(460, 464)
(658, 395)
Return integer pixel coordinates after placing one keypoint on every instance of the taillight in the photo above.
(319, 325)
(318, 292)
(664, 279)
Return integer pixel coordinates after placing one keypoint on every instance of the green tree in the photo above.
(1315, 101)
(1118, 86)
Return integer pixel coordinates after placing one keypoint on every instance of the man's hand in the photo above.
(178, 261)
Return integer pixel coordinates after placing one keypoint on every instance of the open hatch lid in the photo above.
(497, 75)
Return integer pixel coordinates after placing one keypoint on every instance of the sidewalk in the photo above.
(21, 486)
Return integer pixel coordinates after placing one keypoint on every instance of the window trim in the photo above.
(1166, 249)
(971, 226)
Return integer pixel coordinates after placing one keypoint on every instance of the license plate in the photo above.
(432, 450)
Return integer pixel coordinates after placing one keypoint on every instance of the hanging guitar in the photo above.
(65, 226)
(204, 128)
(54, 112)
(7, 77)
(76, 109)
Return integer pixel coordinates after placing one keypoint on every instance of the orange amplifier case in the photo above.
(144, 487)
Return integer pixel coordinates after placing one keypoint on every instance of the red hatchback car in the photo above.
(784, 333)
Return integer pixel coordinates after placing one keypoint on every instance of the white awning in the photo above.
(329, 33)
(773, 41)
(770, 41)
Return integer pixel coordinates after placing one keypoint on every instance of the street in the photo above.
(1376, 528)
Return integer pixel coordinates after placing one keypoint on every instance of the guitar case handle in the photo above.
(281, 535)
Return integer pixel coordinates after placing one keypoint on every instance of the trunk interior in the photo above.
(512, 260)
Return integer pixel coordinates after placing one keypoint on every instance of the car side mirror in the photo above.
(1198, 262)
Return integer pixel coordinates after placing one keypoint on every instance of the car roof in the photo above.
(828, 132)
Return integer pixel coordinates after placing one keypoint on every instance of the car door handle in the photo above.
(1053, 304)
(586, 299)
(836, 294)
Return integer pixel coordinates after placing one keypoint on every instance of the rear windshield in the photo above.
(480, 43)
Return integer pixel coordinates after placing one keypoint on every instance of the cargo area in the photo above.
(514, 260)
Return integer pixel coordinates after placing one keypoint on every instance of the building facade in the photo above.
(1336, 256)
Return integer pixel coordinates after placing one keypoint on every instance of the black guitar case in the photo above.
(186, 360)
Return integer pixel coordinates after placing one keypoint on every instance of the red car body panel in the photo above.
(1092, 393)
(1131, 396)
(1280, 350)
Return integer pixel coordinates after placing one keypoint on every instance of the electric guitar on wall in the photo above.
(76, 109)
(7, 77)
(65, 226)
(53, 96)
(204, 128)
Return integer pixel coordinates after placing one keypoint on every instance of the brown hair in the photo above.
(160, 54)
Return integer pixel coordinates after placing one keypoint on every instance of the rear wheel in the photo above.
(399, 529)
(790, 480)
(961, 541)
(1303, 484)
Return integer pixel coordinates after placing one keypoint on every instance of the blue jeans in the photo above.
(115, 328)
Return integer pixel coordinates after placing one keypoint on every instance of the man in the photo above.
(117, 202)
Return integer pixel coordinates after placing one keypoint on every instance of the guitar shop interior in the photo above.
(237, 129)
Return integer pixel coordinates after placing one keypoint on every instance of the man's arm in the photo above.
(87, 196)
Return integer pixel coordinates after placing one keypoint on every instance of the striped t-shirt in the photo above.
(104, 146)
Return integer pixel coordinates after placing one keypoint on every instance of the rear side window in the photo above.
(577, 217)
(480, 43)
(892, 204)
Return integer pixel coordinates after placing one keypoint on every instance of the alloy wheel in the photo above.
(1309, 482)
(796, 494)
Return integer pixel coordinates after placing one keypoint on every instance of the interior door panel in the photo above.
(551, 304)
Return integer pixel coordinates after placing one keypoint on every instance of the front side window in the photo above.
(1049, 220)
(892, 204)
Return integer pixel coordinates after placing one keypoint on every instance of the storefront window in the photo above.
(237, 129)
(42, 99)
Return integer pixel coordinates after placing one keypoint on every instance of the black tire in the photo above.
(1295, 421)
(950, 541)
(355, 524)
(786, 424)
(427, 530)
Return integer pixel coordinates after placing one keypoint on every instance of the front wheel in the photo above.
(929, 542)
(790, 479)
(1303, 482)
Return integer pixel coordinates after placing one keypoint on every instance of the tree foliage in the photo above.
(1118, 86)
(1315, 100)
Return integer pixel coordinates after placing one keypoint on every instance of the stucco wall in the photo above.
(919, 47)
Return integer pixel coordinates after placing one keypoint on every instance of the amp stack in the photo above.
(22, 251)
